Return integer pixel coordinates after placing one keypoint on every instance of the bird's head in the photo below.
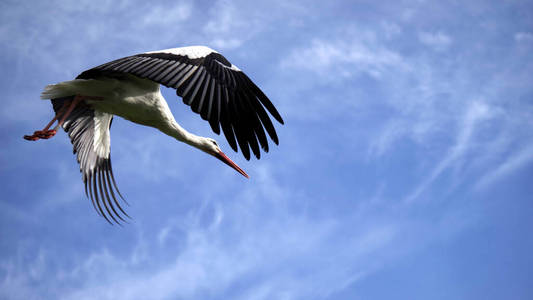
(210, 146)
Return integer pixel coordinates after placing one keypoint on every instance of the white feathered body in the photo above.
(133, 98)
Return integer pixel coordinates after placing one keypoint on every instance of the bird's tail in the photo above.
(86, 87)
(59, 90)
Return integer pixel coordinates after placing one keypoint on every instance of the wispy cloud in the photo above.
(438, 41)
(255, 236)
(164, 16)
(229, 27)
(233, 23)
(523, 36)
(393, 131)
(516, 160)
(476, 113)
(344, 58)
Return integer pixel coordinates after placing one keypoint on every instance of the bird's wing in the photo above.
(213, 87)
(89, 133)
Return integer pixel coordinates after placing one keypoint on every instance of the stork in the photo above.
(129, 87)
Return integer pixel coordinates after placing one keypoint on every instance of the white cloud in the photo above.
(233, 23)
(344, 58)
(226, 43)
(516, 160)
(229, 27)
(164, 15)
(291, 255)
(393, 130)
(225, 18)
(391, 29)
(438, 41)
(523, 36)
(209, 265)
(476, 113)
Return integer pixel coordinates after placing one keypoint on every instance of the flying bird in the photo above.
(129, 87)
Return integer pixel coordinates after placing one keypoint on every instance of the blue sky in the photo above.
(403, 171)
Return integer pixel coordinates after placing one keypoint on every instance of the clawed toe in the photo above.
(41, 134)
(31, 137)
(63, 113)
(45, 134)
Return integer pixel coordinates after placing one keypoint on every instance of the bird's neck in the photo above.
(182, 135)
(169, 126)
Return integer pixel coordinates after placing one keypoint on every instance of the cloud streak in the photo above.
(516, 160)
(476, 113)
(344, 58)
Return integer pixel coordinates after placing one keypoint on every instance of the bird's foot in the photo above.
(45, 134)
(31, 137)
(63, 113)
(41, 134)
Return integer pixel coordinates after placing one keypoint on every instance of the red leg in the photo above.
(46, 133)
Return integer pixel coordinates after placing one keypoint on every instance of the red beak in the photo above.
(220, 155)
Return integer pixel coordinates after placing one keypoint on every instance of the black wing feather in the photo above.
(213, 88)
(97, 174)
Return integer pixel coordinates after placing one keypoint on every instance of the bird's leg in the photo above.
(43, 133)
(47, 133)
